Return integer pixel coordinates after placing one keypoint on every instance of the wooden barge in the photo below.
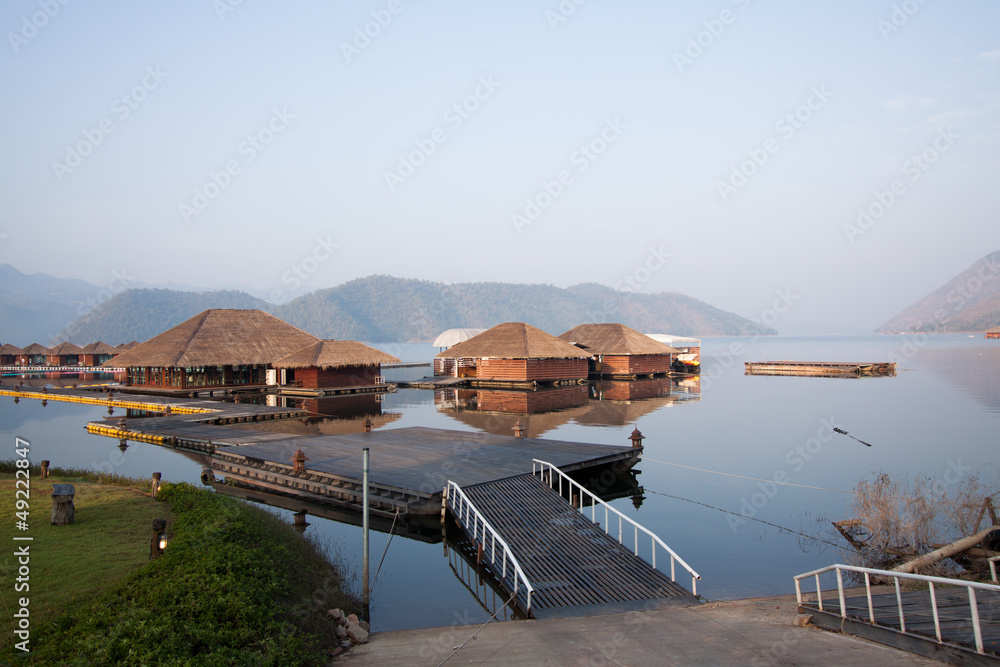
(822, 368)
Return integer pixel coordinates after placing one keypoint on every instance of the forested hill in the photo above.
(968, 302)
(384, 308)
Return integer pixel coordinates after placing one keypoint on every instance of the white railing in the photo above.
(483, 533)
(993, 567)
(970, 586)
(543, 467)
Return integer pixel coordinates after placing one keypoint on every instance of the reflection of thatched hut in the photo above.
(215, 348)
(9, 354)
(33, 355)
(96, 354)
(513, 352)
(334, 363)
(618, 350)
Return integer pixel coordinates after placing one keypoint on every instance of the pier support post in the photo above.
(365, 592)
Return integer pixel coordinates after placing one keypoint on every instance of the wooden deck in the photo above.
(959, 645)
(574, 567)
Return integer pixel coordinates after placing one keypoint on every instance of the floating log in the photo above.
(947, 551)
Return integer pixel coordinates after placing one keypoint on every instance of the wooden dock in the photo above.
(574, 566)
(821, 368)
(957, 633)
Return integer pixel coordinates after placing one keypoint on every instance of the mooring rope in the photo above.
(755, 479)
(459, 648)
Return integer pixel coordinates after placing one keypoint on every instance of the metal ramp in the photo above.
(554, 559)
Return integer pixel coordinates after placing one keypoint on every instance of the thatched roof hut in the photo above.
(32, 355)
(219, 337)
(993, 333)
(9, 354)
(98, 348)
(216, 347)
(96, 354)
(125, 347)
(35, 349)
(513, 351)
(614, 339)
(329, 354)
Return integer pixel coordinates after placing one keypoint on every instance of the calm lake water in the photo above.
(940, 413)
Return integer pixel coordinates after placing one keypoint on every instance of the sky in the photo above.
(819, 166)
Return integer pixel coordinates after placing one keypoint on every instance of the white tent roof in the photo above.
(676, 341)
(455, 336)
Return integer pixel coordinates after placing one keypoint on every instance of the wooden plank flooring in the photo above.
(953, 612)
(569, 561)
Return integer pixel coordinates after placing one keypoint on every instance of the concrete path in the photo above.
(744, 632)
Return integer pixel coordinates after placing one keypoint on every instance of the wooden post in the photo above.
(156, 483)
(45, 468)
(63, 511)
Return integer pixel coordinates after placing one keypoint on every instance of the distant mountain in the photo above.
(36, 308)
(968, 302)
(384, 308)
(139, 314)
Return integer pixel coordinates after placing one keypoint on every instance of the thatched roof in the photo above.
(34, 349)
(613, 338)
(328, 354)
(514, 340)
(98, 348)
(455, 336)
(218, 338)
(7, 348)
(125, 347)
(63, 349)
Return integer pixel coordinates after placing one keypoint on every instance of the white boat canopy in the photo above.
(454, 336)
(676, 341)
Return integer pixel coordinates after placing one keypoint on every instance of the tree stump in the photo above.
(62, 504)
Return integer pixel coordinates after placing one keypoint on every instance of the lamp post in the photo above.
(159, 541)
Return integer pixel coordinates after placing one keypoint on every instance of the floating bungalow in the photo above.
(993, 333)
(125, 347)
(331, 364)
(64, 354)
(619, 351)
(687, 359)
(9, 354)
(215, 348)
(514, 352)
(33, 355)
(96, 354)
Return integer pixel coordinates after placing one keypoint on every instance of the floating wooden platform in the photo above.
(953, 610)
(434, 382)
(821, 368)
(574, 566)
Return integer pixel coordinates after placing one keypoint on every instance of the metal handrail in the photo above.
(970, 586)
(466, 512)
(993, 567)
(655, 540)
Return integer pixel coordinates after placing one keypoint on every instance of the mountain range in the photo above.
(969, 302)
(378, 308)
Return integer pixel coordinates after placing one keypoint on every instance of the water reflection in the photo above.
(974, 372)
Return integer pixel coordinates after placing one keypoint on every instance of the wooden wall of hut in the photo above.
(345, 376)
(635, 364)
(532, 369)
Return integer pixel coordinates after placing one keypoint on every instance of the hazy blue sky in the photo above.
(720, 149)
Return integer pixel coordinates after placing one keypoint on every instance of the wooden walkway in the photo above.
(953, 611)
(575, 568)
